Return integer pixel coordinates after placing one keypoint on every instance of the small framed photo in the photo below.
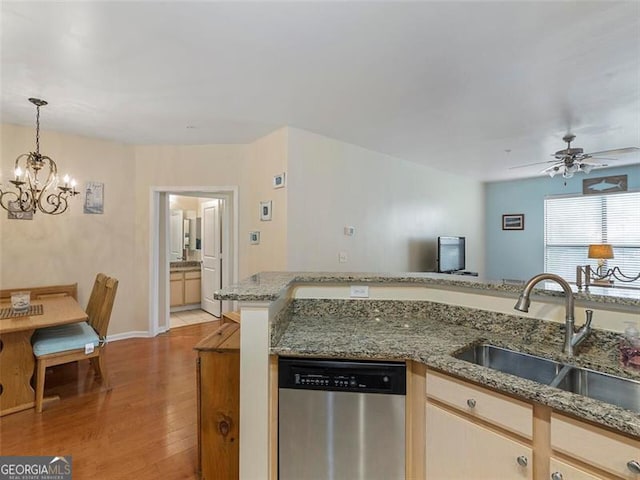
(279, 180)
(513, 221)
(254, 238)
(94, 198)
(265, 211)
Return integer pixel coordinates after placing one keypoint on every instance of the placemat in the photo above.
(9, 313)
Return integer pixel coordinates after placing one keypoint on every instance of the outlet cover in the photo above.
(359, 291)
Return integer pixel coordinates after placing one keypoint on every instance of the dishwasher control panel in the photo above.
(342, 375)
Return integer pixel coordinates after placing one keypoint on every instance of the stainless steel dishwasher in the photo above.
(341, 420)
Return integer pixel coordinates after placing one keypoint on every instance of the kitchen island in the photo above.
(424, 319)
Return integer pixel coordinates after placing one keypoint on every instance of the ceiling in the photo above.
(472, 88)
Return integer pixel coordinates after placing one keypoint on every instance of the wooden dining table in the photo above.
(17, 362)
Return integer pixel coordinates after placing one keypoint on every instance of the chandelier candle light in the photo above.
(36, 181)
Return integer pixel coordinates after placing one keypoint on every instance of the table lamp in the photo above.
(603, 252)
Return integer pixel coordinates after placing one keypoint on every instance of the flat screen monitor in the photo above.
(451, 256)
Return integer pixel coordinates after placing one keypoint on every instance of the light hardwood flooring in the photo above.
(143, 429)
(190, 317)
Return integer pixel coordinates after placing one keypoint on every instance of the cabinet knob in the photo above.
(556, 476)
(633, 466)
(522, 461)
(471, 403)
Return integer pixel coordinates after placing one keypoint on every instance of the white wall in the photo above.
(267, 157)
(398, 209)
(74, 247)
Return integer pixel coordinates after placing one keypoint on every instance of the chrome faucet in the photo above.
(571, 338)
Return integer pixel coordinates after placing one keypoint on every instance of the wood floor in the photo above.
(145, 428)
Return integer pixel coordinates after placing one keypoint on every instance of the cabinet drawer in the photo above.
(606, 450)
(503, 411)
(568, 472)
(175, 276)
(190, 275)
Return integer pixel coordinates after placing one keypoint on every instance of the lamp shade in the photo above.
(603, 250)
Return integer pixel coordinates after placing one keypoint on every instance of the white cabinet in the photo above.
(468, 433)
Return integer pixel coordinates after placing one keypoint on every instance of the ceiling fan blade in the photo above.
(600, 158)
(532, 164)
(615, 151)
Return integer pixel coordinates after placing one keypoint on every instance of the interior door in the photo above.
(176, 238)
(211, 255)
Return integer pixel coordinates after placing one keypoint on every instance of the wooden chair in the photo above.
(67, 343)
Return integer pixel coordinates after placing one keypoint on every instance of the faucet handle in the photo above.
(587, 324)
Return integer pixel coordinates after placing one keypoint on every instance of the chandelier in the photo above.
(37, 186)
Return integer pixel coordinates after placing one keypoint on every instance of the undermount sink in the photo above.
(522, 365)
(619, 391)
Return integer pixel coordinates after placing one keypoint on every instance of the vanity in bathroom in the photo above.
(465, 419)
(184, 285)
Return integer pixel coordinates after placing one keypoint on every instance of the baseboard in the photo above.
(125, 335)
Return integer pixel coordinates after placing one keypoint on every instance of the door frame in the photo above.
(158, 320)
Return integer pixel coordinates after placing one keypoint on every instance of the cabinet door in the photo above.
(176, 286)
(191, 287)
(562, 471)
(459, 449)
(595, 446)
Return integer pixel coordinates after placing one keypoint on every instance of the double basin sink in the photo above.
(619, 391)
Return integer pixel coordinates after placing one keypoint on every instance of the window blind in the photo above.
(572, 223)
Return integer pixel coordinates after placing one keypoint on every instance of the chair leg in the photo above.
(100, 367)
(41, 368)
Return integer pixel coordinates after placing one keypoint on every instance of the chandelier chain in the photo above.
(37, 128)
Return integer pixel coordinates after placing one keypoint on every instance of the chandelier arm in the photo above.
(8, 197)
(53, 171)
(57, 202)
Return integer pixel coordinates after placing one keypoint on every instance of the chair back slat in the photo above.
(101, 313)
(97, 293)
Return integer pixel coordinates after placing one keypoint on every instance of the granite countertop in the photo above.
(430, 333)
(268, 286)
(184, 266)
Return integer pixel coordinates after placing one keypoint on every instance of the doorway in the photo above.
(223, 242)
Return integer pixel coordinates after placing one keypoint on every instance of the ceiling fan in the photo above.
(572, 160)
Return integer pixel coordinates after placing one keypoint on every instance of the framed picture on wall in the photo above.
(599, 185)
(265, 211)
(94, 198)
(513, 221)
